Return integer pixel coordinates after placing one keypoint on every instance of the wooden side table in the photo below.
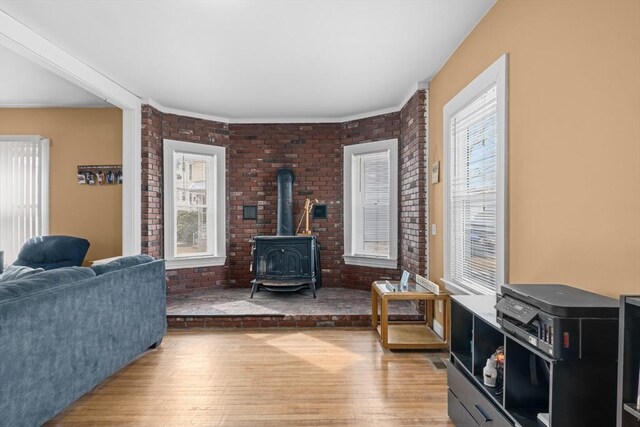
(417, 335)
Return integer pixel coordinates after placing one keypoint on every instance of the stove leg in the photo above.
(313, 289)
(254, 288)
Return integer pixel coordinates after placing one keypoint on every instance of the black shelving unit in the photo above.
(572, 393)
(628, 414)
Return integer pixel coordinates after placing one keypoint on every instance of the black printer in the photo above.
(562, 321)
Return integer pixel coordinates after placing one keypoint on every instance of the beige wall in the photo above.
(574, 138)
(79, 136)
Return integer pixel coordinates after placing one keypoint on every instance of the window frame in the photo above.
(349, 180)
(495, 74)
(218, 256)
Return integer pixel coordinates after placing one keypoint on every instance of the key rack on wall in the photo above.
(99, 174)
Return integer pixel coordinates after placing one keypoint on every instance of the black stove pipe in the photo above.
(285, 179)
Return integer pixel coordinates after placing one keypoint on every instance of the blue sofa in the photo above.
(64, 331)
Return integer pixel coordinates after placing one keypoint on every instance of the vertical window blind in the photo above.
(473, 193)
(24, 191)
(373, 201)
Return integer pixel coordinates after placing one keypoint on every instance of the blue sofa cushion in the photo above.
(15, 272)
(42, 281)
(120, 263)
(51, 252)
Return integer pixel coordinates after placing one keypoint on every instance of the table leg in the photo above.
(384, 322)
(429, 308)
(374, 308)
(446, 324)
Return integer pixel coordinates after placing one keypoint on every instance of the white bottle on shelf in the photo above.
(490, 373)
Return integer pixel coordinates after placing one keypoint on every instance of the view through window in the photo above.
(194, 204)
(191, 204)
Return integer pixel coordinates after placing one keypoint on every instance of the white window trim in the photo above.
(369, 261)
(44, 177)
(173, 262)
(390, 145)
(495, 74)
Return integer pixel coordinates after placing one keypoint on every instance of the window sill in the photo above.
(370, 261)
(455, 289)
(209, 261)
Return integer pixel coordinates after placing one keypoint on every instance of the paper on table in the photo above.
(389, 287)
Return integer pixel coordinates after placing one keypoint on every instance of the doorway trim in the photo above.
(26, 42)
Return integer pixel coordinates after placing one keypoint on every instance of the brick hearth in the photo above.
(232, 308)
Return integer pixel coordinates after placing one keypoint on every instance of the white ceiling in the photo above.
(26, 84)
(263, 60)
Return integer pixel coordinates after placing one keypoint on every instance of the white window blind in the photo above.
(373, 204)
(24, 191)
(473, 193)
(475, 184)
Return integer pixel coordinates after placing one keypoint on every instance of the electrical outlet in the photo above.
(433, 229)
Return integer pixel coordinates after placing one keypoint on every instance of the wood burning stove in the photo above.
(285, 262)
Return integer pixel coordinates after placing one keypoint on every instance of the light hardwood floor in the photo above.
(294, 377)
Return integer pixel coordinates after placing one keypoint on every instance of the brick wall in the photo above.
(413, 181)
(151, 152)
(386, 126)
(314, 153)
(157, 126)
(258, 151)
(255, 152)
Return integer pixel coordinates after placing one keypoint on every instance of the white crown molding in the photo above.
(286, 120)
(168, 110)
(367, 114)
(422, 85)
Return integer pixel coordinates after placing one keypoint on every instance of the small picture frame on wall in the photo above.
(435, 172)
(91, 178)
(99, 175)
